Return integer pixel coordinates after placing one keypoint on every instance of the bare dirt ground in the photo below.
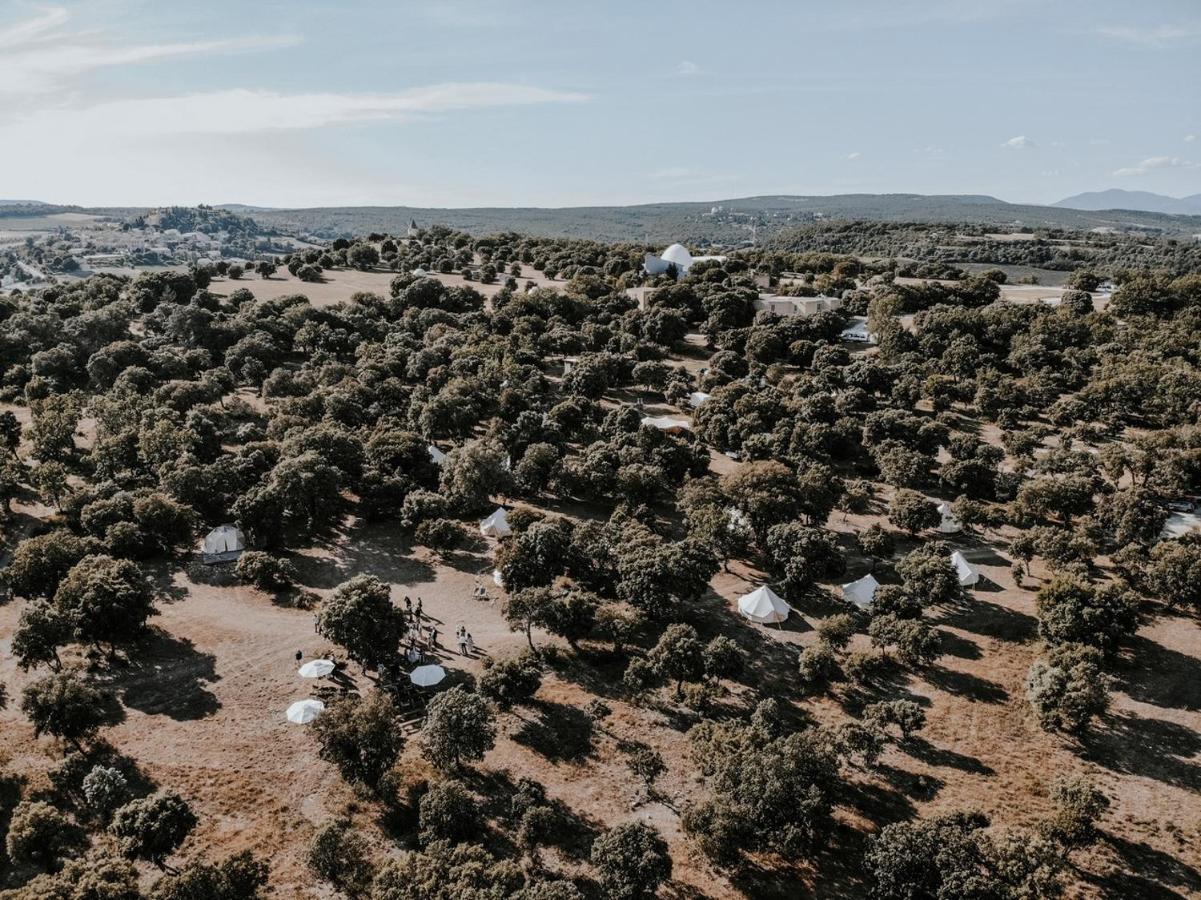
(340, 284)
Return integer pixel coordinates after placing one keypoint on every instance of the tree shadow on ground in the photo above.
(962, 684)
(989, 619)
(922, 750)
(957, 645)
(1144, 872)
(916, 785)
(167, 676)
(380, 549)
(1149, 748)
(1152, 673)
(560, 733)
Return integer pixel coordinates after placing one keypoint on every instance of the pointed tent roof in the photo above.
(861, 592)
(949, 524)
(968, 574)
(764, 606)
(496, 525)
(437, 457)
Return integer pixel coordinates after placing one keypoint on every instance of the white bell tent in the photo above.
(861, 592)
(496, 525)
(437, 457)
(949, 524)
(764, 606)
(967, 573)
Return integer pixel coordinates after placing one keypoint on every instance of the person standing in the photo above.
(470, 644)
(419, 613)
(433, 637)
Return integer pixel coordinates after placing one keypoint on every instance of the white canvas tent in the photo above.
(497, 578)
(224, 543)
(968, 574)
(949, 524)
(667, 423)
(764, 606)
(437, 457)
(697, 398)
(861, 592)
(857, 331)
(496, 525)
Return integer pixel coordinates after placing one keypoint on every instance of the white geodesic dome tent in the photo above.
(224, 543)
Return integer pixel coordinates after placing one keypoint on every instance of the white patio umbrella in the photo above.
(316, 668)
(427, 676)
(304, 711)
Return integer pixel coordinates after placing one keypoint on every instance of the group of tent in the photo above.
(766, 607)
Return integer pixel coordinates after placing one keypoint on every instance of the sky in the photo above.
(453, 103)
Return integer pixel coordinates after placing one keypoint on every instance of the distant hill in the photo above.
(1115, 198)
(718, 221)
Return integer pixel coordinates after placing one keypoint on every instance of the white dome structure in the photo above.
(225, 543)
(764, 606)
(678, 254)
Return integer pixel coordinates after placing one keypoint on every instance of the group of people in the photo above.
(466, 644)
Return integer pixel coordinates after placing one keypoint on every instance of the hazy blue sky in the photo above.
(562, 103)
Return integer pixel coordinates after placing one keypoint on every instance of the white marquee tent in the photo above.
(496, 525)
(667, 423)
(697, 398)
(437, 457)
(968, 574)
(949, 524)
(224, 543)
(861, 592)
(764, 606)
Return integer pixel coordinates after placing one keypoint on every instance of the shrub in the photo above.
(264, 571)
(447, 812)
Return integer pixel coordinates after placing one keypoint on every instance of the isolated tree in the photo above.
(105, 600)
(40, 834)
(447, 812)
(459, 727)
(906, 715)
(65, 706)
(265, 268)
(153, 827)
(264, 571)
(39, 563)
(527, 608)
(339, 854)
(678, 656)
(915, 642)
(238, 877)
(359, 617)
(1072, 612)
(41, 631)
(512, 680)
(632, 861)
(105, 789)
(1077, 805)
(1068, 688)
(361, 736)
(911, 512)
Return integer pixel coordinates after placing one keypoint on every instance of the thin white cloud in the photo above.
(1156, 162)
(43, 56)
(1021, 142)
(242, 111)
(687, 68)
(1151, 35)
(1189, 138)
(32, 29)
(855, 154)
